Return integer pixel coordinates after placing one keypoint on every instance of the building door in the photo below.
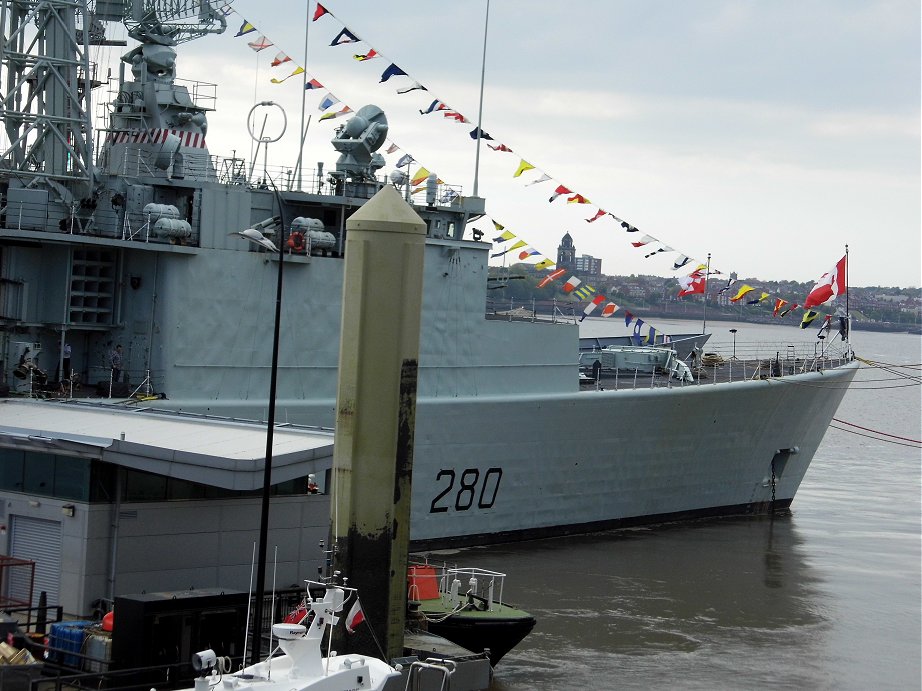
(39, 540)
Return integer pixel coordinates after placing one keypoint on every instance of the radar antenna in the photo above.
(170, 22)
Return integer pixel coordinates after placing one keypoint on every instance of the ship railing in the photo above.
(800, 350)
(724, 363)
(203, 94)
(21, 214)
(482, 584)
(105, 221)
(239, 171)
(479, 583)
(509, 310)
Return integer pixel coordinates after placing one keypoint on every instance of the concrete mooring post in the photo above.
(375, 415)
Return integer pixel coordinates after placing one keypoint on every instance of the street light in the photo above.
(258, 238)
(733, 331)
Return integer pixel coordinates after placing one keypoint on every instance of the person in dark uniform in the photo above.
(115, 360)
(65, 375)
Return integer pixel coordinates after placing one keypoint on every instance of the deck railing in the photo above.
(726, 363)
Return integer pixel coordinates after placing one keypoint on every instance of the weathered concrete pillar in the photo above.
(375, 413)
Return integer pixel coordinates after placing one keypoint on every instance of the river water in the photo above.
(826, 596)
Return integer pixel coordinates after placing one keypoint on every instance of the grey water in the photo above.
(824, 596)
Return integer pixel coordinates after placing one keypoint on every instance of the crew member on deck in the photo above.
(843, 321)
(65, 374)
(115, 360)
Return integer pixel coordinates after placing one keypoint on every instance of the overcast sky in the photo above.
(769, 134)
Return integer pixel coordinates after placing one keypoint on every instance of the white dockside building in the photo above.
(120, 500)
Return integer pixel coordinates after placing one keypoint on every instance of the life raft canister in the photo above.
(296, 241)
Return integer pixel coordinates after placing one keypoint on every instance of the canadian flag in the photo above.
(832, 283)
(355, 617)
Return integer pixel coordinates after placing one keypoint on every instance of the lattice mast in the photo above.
(48, 78)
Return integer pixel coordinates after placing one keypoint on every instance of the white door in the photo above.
(39, 540)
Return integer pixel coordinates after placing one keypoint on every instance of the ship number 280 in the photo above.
(466, 489)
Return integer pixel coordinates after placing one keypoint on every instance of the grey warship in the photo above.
(127, 236)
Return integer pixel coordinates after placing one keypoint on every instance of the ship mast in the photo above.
(45, 103)
(483, 72)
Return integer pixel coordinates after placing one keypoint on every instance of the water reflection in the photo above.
(683, 604)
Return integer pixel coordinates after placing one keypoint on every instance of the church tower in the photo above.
(566, 253)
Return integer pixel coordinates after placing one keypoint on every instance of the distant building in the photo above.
(585, 265)
(588, 266)
(566, 253)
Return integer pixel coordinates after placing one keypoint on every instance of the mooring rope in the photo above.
(868, 429)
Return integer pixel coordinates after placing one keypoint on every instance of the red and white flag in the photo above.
(689, 285)
(609, 309)
(571, 284)
(551, 277)
(590, 308)
(645, 240)
(832, 283)
(557, 192)
(355, 617)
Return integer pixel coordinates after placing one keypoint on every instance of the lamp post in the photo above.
(255, 236)
(733, 331)
(258, 238)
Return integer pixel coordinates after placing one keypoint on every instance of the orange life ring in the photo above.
(296, 241)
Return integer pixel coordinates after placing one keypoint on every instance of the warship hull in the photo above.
(506, 444)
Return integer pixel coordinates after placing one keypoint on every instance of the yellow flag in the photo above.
(739, 296)
(523, 166)
(299, 70)
(809, 316)
(544, 264)
(421, 175)
(505, 235)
